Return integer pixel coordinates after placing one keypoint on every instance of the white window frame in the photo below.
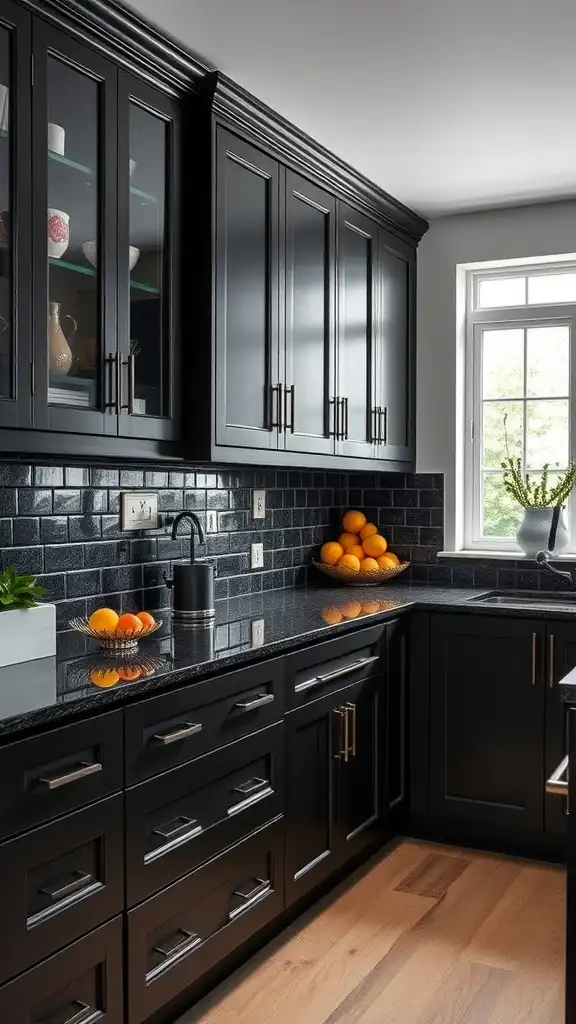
(533, 315)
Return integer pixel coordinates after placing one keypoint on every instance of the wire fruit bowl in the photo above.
(371, 578)
(110, 640)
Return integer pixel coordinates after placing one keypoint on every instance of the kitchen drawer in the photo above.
(178, 935)
(326, 667)
(166, 731)
(80, 985)
(182, 818)
(63, 879)
(59, 771)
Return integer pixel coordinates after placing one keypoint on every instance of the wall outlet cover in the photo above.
(257, 632)
(211, 521)
(258, 504)
(139, 510)
(257, 556)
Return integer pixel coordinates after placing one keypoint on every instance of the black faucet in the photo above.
(195, 522)
(543, 560)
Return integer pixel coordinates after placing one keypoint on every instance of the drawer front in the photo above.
(184, 817)
(80, 985)
(170, 730)
(327, 667)
(65, 879)
(59, 771)
(178, 935)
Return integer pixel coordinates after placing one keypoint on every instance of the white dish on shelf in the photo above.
(90, 250)
(132, 166)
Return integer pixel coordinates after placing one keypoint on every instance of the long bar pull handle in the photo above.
(131, 364)
(551, 661)
(262, 888)
(255, 702)
(276, 423)
(556, 785)
(342, 753)
(189, 942)
(289, 394)
(80, 881)
(350, 707)
(178, 734)
(534, 648)
(84, 1012)
(337, 673)
(333, 432)
(384, 433)
(57, 781)
(345, 416)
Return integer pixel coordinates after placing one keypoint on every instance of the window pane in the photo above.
(503, 363)
(547, 434)
(547, 372)
(494, 449)
(552, 288)
(501, 513)
(502, 291)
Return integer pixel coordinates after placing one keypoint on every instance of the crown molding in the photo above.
(290, 144)
(119, 33)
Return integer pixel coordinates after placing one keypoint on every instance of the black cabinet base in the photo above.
(534, 846)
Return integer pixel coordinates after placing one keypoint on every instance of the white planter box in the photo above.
(27, 634)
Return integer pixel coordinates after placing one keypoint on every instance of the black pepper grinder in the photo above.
(192, 582)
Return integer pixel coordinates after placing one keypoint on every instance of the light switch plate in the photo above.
(138, 510)
(211, 521)
(258, 504)
(257, 556)
(257, 632)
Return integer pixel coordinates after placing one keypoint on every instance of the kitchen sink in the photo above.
(528, 599)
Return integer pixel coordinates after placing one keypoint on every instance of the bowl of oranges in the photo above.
(117, 632)
(360, 557)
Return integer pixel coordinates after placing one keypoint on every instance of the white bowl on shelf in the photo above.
(90, 250)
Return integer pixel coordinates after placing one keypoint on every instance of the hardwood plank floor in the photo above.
(426, 935)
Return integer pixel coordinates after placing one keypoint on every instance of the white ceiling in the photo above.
(447, 104)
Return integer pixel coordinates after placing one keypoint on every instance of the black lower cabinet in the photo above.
(396, 662)
(334, 782)
(82, 983)
(561, 659)
(487, 700)
(178, 935)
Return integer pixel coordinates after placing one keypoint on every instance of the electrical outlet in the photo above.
(258, 504)
(138, 510)
(211, 521)
(257, 556)
(257, 632)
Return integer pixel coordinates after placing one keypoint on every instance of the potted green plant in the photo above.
(542, 504)
(27, 628)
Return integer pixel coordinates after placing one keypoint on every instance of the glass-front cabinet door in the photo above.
(15, 233)
(76, 370)
(149, 378)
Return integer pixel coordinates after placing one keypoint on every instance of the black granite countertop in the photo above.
(81, 679)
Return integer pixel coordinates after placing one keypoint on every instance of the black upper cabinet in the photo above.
(15, 217)
(486, 727)
(395, 349)
(248, 395)
(309, 382)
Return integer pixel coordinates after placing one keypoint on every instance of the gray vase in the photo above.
(534, 532)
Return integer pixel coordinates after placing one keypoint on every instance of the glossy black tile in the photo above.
(25, 531)
(63, 557)
(54, 529)
(84, 583)
(15, 475)
(66, 501)
(34, 501)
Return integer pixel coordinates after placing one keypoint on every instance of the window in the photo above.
(520, 382)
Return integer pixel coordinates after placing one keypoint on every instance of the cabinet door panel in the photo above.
(395, 345)
(361, 773)
(15, 218)
(487, 724)
(310, 296)
(74, 235)
(247, 204)
(357, 254)
(148, 262)
(561, 659)
(396, 717)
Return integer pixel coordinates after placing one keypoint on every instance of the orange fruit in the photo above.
(368, 531)
(103, 618)
(374, 546)
(348, 540)
(331, 615)
(368, 565)
(104, 676)
(354, 521)
(128, 625)
(357, 550)
(330, 553)
(388, 561)
(349, 562)
(146, 618)
(129, 673)
(370, 607)
(352, 609)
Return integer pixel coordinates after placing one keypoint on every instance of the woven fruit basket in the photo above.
(350, 578)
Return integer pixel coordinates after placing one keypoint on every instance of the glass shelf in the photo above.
(91, 272)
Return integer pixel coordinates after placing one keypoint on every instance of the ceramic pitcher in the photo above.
(534, 532)
(58, 347)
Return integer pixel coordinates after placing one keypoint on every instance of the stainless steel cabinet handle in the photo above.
(262, 888)
(289, 394)
(344, 737)
(131, 365)
(111, 384)
(252, 786)
(84, 1012)
(556, 785)
(345, 416)
(187, 943)
(56, 781)
(255, 702)
(337, 673)
(350, 707)
(534, 646)
(384, 432)
(551, 660)
(276, 423)
(187, 827)
(334, 431)
(80, 881)
(181, 732)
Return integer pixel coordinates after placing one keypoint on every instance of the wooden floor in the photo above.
(426, 935)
